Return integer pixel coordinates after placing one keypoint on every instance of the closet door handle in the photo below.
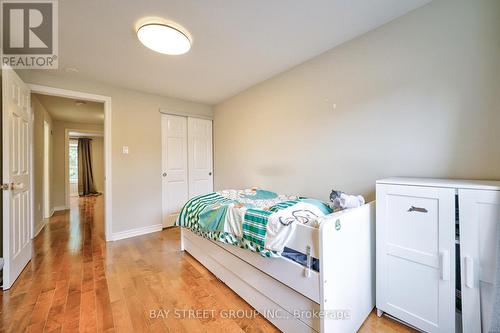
(444, 258)
(469, 271)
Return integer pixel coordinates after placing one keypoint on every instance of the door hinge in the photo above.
(5, 187)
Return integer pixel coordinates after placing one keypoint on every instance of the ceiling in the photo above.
(66, 109)
(236, 43)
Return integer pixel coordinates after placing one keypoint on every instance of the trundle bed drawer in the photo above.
(288, 272)
(246, 279)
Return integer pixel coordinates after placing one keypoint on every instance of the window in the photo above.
(73, 161)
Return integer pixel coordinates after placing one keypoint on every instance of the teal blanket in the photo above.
(255, 219)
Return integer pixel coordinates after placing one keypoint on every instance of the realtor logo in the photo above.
(29, 34)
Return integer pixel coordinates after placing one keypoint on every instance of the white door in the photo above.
(175, 167)
(200, 156)
(16, 176)
(415, 255)
(479, 219)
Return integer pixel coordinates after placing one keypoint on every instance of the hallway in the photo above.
(64, 284)
(78, 282)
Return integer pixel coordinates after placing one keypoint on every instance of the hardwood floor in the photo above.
(78, 282)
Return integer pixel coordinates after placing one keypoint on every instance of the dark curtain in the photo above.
(86, 184)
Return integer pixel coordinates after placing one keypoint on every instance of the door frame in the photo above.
(46, 171)
(51, 91)
(66, 158)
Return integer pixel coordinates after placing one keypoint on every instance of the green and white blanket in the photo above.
(258, 220)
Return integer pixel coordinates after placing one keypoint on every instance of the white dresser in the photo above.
(436, 252)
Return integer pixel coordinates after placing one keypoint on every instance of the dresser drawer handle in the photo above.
(417, 209)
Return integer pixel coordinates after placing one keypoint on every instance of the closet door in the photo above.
(200, 156)
(175, 167)
(415, 251)
(479, 213)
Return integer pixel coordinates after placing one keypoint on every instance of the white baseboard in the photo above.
(136, 232)
(40, 225)
(59, 208)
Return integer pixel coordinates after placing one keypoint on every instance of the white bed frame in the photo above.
(293, 297)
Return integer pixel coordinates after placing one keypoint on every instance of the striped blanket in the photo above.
(255, 219)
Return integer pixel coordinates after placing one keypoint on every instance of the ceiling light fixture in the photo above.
(164, 38)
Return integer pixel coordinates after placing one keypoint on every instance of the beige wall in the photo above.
(40, 115)
(136, 122)
(419, 96)
(59, 163)
(97, 146)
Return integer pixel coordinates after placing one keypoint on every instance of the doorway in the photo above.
(73, 159)
(104, 136)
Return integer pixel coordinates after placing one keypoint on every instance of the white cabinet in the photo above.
(479, 219)
(415, 250)
(419, 224)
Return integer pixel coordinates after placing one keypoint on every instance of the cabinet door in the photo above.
(479, 213)
(415, 251)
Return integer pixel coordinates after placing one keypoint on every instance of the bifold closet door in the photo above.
(200, 156)
(479, 219)
(175, 167)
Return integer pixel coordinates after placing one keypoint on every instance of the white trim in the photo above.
(58, 209)
(46, 202)
(67, 186)
(39, 227)
(108, 220)
(32, 167)
(185, 114)
(136, 232)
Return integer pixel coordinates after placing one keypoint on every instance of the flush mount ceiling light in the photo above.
(164, 38)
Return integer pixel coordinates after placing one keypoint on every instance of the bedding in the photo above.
(255, 219)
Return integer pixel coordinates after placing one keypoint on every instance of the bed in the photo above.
(292, 295)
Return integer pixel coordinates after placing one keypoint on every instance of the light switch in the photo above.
(125, 150)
